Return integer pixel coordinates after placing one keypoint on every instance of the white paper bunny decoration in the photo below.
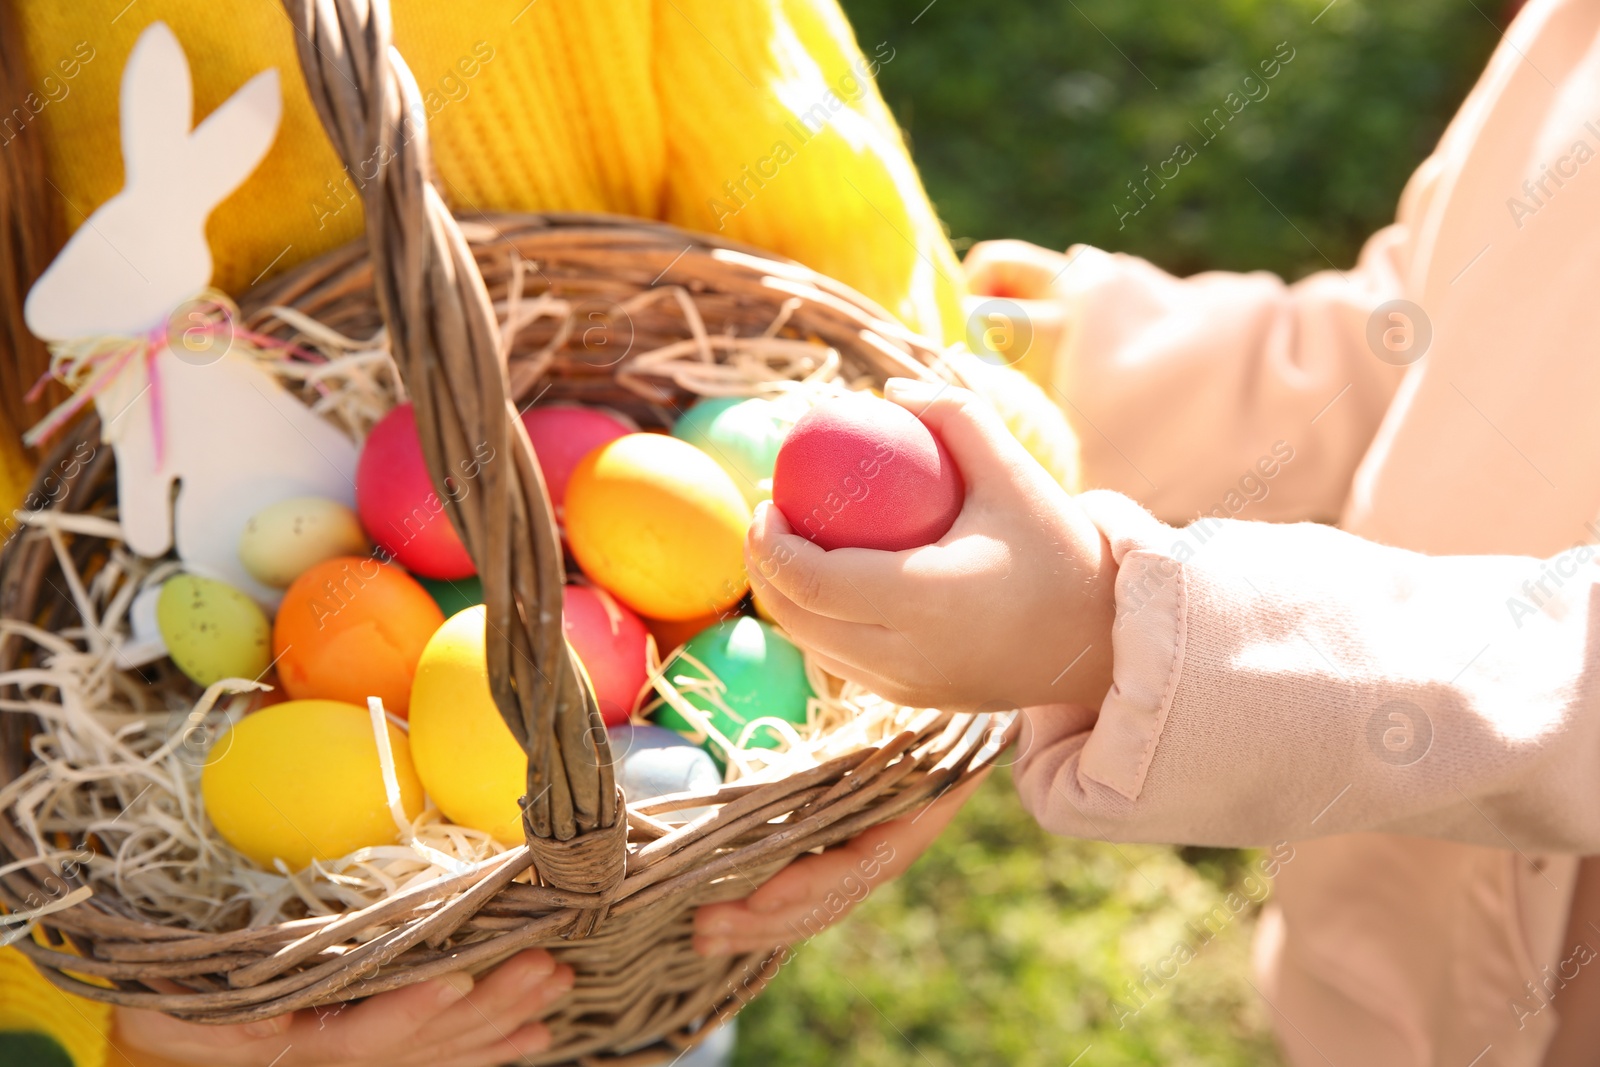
(221, 428)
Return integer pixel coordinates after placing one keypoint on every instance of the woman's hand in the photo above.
(814, 892)
(444, 1022)
(1012, 607)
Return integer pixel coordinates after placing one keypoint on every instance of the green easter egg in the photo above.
(453, 595)
(763, 674)
(742, 434)
(212, 630)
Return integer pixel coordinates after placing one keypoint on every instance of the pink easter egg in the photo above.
(610, 640)
(562, 434)
(859, 472)
(398, 506)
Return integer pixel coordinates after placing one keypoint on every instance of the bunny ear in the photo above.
(157, 103)
(226, 147)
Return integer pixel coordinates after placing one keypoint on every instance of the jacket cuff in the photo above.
(1148, 637)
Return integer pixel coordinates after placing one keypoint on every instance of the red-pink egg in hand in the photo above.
(562, 434)
(397, 503)
(859, 472)
(610, 640)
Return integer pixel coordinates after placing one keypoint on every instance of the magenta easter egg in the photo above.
(610, 640)
(562, 434)
(398, 506)
(859, 472)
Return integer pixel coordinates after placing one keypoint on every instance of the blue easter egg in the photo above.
(652, 762)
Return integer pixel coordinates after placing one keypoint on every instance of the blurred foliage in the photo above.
(1006, 946)
(1029, 118)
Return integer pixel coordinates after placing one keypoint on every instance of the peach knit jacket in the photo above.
(1412, 698)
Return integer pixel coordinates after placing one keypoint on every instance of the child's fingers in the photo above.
(855, 643)
(1013, 269)
(849, 584)
(874, 657)
(984, 451)
(847, 671)
(871, 679)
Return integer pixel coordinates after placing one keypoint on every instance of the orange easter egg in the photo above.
(352, 628)
(660, 525)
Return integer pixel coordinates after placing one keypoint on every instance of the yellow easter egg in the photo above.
(660, 525)
(301, 780)
(284, 540)
(466, 757)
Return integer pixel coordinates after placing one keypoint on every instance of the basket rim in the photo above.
(254, 301)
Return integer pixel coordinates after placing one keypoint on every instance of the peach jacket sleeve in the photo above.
(1287, 681)
(1178, 388)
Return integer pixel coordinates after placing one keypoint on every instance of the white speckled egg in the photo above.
(286, 539)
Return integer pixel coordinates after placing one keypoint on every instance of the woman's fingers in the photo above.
(444, 1022)
(517, 992)
(799, 902)
(513, 1047)
(815, 891)
(367, 1032)
(151, 1031)
(378, 1030)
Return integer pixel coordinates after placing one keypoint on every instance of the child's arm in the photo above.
(1290, 681)
(1181, 389)
(1268, 681)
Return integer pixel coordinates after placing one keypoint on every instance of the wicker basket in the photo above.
(613, 890)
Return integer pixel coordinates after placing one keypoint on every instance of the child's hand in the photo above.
(1013, 269)
(1025, 275)
(1012, 607)
(443, 1022)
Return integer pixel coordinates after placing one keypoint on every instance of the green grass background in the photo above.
(1004, 945)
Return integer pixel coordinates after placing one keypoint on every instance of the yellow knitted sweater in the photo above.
(757, 119)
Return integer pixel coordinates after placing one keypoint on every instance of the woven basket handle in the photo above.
(446, 342)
